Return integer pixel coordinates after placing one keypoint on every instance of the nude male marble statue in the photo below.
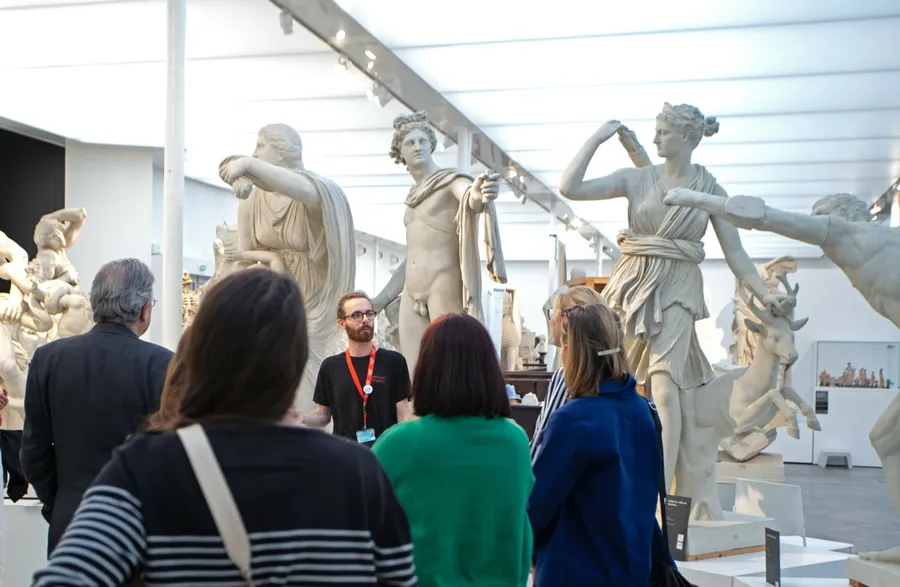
(867, 253)
(305, 219)
(656, 286)
(442, 270)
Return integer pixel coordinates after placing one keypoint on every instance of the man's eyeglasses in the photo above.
(360, 316)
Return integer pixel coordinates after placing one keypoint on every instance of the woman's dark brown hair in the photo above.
(458, 372)
(243, 356)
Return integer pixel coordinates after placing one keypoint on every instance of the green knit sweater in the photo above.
(464, 483)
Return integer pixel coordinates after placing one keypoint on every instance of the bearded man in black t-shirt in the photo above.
(364, 389)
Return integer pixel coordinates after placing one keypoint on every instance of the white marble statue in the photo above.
(305, 220)
(527, 352)
(442, 270)
(43, 304)
(866, 252)
(738, 402)
(511, 331)
(656, 286)
(745, 340)
(741, 353)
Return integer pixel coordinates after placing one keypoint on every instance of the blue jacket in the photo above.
(593, 506)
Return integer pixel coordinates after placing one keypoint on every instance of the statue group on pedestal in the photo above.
(44, 302)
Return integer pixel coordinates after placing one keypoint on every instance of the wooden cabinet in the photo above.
(597, 283)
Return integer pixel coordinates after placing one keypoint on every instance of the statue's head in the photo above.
(680, 128)
(414, 140)
(845, 206)
(279, 144)
(49, 233)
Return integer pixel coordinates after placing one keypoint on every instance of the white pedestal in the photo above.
(763, 467)
(735, 532)
(791, 582)
(818, 564)
(26, 541)
(872, 574)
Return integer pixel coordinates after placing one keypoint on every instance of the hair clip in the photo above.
(608, 352)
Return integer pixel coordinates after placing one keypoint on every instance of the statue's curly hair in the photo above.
(846, 206)
(689, 121)
(406, 123)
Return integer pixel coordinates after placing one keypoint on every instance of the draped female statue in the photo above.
(656, 286)
(305, 219)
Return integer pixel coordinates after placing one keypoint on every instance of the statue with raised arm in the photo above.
(304, 220)
(656, 286)
(867, 253)
(442, 270)
(54, 234)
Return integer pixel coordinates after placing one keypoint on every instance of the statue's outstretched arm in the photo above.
(615, 185)
(751, 212)
(271, 178)
(392, 290)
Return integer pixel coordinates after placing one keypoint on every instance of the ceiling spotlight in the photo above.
(379, 94)
(370, 65)
(286, 19)
(576, 223)
(370, 55)
(340, 35)
(513, 173)
(343, 64)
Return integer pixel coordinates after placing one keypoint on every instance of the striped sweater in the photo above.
(319, 510)
(555, 398)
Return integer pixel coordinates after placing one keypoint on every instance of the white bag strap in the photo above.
(218, 497)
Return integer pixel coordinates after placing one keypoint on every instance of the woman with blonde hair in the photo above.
(579, 295)
(598, 465)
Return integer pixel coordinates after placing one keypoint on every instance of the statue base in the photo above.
(736, 534)
(863, 573)
(763, 467)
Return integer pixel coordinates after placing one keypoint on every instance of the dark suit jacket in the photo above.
(83, 397)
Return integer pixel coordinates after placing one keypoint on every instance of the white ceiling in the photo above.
(807, 92)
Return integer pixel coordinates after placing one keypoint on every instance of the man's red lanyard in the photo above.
(363, 391)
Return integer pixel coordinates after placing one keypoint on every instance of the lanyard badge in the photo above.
(364, 390)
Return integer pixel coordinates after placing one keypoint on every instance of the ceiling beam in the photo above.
(324, 18)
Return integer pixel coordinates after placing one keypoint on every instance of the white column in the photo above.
(375, 259)
(895, 210)
(173, 189)
(464, 149)
(599, 257)
(554, 270)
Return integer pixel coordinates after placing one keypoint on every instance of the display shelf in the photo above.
(855, 382)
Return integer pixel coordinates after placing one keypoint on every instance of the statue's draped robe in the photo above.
(467, 231)
(320, 255)
(656, 286)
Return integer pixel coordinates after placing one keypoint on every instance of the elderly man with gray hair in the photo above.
(86, 394)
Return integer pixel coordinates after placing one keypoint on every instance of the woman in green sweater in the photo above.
(462, 471)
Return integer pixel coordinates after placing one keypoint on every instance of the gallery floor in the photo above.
(842, 505)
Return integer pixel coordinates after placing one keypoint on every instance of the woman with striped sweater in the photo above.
(317, 510)
(579, 295)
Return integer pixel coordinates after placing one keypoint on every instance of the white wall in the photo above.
(205, 208)
(115, 186)
(836, 311)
